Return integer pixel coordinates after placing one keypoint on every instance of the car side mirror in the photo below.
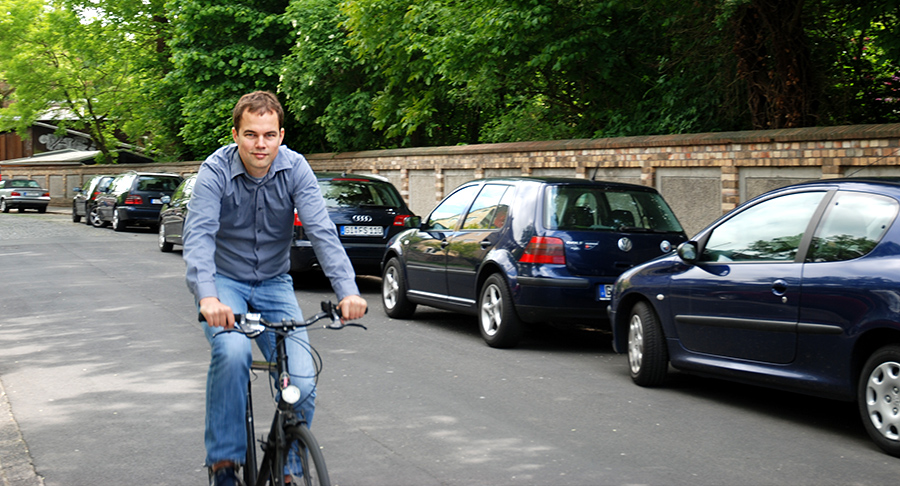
(687, 251)
(166, 199)
(413, 222)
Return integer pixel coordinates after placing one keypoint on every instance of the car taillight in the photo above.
(297, 221)
(15, 193)
(46, 194)
(400, 219)
(544, 249)
(134, 200)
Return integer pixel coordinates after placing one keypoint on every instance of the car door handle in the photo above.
(485, 244)
(779, 287)
(444, 244)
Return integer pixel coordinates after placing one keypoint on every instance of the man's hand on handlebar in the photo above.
(352, 307)
(216, 313)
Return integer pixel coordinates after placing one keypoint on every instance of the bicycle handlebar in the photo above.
(252, 324)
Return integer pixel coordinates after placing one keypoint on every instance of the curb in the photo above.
(16, 464)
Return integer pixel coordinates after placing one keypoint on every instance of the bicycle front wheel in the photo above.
(311, 458)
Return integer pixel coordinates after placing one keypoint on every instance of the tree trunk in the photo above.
(773, 61)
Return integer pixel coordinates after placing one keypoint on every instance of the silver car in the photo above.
(23, 194)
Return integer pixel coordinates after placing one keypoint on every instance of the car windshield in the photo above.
(358, 192)
(573, 207)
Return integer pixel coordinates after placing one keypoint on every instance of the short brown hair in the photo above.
(260, 102)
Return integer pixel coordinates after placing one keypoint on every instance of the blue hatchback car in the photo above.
(797, 289)
(521, 250)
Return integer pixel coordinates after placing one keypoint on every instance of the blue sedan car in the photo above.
(797, 289)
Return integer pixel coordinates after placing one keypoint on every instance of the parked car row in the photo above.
(127, 199)
(797, 289)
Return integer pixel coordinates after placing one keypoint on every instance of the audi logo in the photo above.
(361, 218)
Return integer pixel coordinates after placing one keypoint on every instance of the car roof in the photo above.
(325, 176)
(567, 181)
(885, 183)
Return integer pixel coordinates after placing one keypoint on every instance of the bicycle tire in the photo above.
(314, 471)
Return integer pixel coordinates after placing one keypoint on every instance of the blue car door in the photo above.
(742, 298)
(426, 252)
(476, 237)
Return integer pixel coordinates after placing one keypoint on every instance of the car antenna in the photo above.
(594, 177)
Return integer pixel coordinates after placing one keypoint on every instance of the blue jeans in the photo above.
(231, 355)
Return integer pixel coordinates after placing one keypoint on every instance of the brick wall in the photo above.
(701, 175)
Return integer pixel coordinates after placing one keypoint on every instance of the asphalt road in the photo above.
(103, 366)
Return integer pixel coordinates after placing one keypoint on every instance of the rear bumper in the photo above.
(366, 257)
(139, 215)
(542, 299)
(27, 203)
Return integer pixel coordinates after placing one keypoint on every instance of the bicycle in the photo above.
(287, 427)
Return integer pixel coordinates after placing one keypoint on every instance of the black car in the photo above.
(134, 199)
(367, 211)
(83, 200)
(527, 250)
(173, 213)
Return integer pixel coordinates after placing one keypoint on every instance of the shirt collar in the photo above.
(280, 163)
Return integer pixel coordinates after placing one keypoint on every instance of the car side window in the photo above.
(488, 210)
(768, 231)
(448, 213)
(851, 227)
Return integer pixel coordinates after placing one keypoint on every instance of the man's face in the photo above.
(258, 141)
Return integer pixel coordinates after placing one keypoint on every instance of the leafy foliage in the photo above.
(366, 74)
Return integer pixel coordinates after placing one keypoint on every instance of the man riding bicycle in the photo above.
(237, 240)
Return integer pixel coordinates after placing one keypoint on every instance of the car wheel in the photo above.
(42, 209)
(3, 206)
(499, 324)
(879, 398)
(75, 217)
(648, 357)
(117, 224)
(95, 219)
(393, 292)
(164, 245)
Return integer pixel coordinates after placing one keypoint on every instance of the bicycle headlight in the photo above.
(291, 394)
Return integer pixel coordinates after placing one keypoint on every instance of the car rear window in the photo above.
(155, 183)
(358, 192)
(569, 207)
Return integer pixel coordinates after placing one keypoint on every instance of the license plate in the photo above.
(362, 231)
(155, 201)
(26, 193)
(604, 292)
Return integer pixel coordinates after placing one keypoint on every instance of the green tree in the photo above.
(221, 50)
(80, 68)
(328, 90)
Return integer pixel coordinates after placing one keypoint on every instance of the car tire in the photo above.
(3, 206)
(393, 292)
(648, 357)
(75, 217)
(497, 319)
(95, 219)
(879, 398)
(164, 246)
(117, 224)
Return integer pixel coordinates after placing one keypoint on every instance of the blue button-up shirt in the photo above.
(242, 227)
